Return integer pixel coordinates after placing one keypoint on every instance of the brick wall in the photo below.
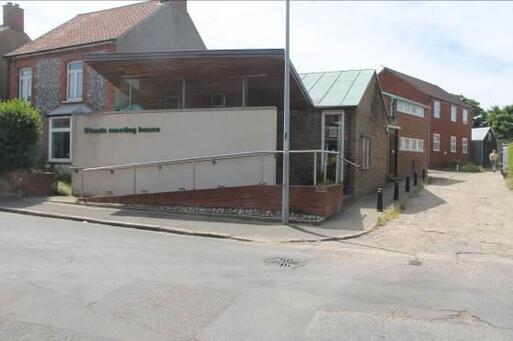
(321, 200)
(411, 126)
(446, 128)
(49, 81)
(370, 120)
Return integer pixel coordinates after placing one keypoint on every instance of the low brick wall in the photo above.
(31, 183)
(322, 200)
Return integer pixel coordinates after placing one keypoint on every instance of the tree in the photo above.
(479, 114)
(20, 133)
(501, 121)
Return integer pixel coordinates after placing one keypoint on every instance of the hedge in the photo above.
(20, 133)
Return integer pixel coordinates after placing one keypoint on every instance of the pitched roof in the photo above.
(429, 89)
(479, 134)
(93, 27)
(337, 88)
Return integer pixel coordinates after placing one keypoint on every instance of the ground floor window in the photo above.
(453, 144)
(366, 152)
(60, 139)
(436, 142)
(411, 145)
(464, 145)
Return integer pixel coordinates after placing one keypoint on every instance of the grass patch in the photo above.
(509, 182)
(390, 214)
(471, 168)
(63, 188)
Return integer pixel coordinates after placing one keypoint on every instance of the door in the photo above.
(333, 141)
(393, 153)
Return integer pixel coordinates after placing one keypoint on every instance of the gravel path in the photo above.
(464, 215)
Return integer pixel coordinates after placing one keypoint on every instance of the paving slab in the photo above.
(356, 220)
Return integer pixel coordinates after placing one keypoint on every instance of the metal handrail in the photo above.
(195, 160)
(208, 158)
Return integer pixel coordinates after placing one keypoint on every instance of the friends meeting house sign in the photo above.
(123, 130)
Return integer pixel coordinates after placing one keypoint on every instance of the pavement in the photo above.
(441, 271)
(356, 220)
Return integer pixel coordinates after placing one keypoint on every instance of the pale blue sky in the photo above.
(464, 47)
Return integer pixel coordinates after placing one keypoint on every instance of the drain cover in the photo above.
(284, 262)
(415, 262)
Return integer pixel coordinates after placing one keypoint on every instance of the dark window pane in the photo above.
(60, 145)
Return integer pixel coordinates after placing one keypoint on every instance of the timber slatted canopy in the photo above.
(204, 71)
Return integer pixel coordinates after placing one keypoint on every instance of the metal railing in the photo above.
(214, 158)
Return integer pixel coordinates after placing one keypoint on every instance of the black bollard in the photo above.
(380, 200)
(396, 191)
(424, 175)
(415, 179)
(407, 184)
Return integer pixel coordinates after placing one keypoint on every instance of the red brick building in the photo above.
(49, 71)
(436, 126)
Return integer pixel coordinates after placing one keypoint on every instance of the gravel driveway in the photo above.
(462, 215)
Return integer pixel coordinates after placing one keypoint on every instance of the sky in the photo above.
(464, 47)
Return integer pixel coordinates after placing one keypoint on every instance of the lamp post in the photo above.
(286, 122)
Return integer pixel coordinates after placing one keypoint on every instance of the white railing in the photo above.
(214, 158)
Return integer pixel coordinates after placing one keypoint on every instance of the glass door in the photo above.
(333, 141)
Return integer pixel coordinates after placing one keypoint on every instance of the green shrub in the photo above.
(471, 168)
(510, 159)
(62, 188)
(20, 132)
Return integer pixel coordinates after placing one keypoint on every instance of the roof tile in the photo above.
(91, 28)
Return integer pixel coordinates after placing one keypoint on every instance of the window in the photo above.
(436, 142)
(60, 139)
(453, 144)
(464, 145)
(409, 108)
(454, 113)
(366, 152)
(436, 109)
(25, 86)
(75, 81)
(217, 100)
(465, 116)
(408, 144)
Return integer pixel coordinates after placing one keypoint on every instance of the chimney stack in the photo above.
(180, 3)
(14, 17)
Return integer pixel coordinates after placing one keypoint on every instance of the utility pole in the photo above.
(286, 122)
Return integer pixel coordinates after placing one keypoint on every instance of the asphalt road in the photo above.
(63, 280)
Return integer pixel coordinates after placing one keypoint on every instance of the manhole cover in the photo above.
(284, 262)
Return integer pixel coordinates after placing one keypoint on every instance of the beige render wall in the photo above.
(183, 134)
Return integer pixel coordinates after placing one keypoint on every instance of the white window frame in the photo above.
(436, 109)
(73, 89)
(408, 144)
(365, 152)
(465, 116)
(409, 108)
(454, 113)
(25, 85)
(464, 145)
(454, 144)
(436, 142)
(52, 130)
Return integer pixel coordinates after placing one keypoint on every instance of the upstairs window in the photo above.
(410, 108)
(75, 81)
(436, 142)
(436, 109)
(453, 144)
(454, 113)
(25, 86)
(465, 116)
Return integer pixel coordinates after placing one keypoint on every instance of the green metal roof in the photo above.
(337, 88)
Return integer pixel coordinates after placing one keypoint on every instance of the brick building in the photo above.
(12, 36)
(435, 125)
(49, 71)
